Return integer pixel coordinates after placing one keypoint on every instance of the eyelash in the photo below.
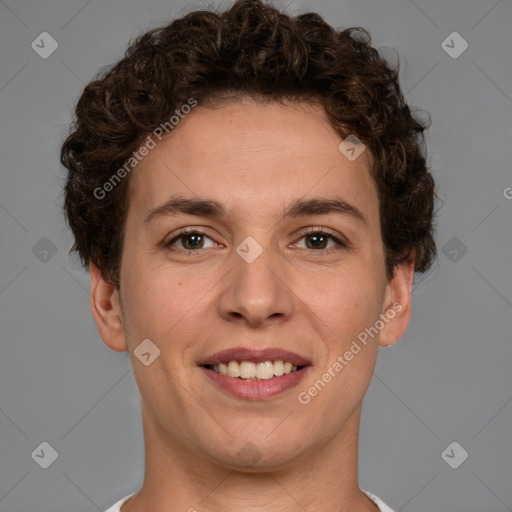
(310, 231)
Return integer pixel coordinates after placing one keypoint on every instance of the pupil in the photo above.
(195, 243)
(320, 239)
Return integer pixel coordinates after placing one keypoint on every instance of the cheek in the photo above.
(347, 302)
(157, 307)
(160, 307)
(148, 301)
(166, 304)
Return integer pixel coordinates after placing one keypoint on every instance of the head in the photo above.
(229, 125)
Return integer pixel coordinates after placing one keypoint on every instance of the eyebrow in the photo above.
(211, 208)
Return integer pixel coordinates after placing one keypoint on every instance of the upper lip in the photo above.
(255, 356)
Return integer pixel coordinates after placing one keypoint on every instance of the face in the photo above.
(274, 253)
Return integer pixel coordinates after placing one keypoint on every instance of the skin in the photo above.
(255, 159)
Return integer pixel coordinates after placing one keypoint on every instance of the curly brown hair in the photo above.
(251, 49)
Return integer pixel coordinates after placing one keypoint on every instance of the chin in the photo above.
(258, 454)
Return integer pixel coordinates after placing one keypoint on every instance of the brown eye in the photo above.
(317, 239)
(190, 241)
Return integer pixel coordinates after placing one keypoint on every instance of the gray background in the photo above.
(447, 380)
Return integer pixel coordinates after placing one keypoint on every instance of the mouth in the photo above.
(255, 374)
(249, 370)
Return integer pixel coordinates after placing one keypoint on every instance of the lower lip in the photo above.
(256, 389)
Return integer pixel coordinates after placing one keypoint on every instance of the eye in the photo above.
(190, 240)
(318, 239)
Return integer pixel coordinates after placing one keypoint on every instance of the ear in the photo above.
(106, 310)
(396, 311)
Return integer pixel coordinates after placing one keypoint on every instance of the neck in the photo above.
(323, 479)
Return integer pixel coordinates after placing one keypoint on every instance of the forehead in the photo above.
(255, 155)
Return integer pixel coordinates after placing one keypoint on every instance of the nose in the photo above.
(257, 292)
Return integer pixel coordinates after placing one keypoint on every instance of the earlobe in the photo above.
(396, 312)
(106, 311)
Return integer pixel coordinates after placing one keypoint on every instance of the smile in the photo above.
(248, 370)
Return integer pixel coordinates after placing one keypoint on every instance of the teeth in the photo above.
(233, 369)
(255, 371)
(247, 370)
(265, 370)
(278, 368)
